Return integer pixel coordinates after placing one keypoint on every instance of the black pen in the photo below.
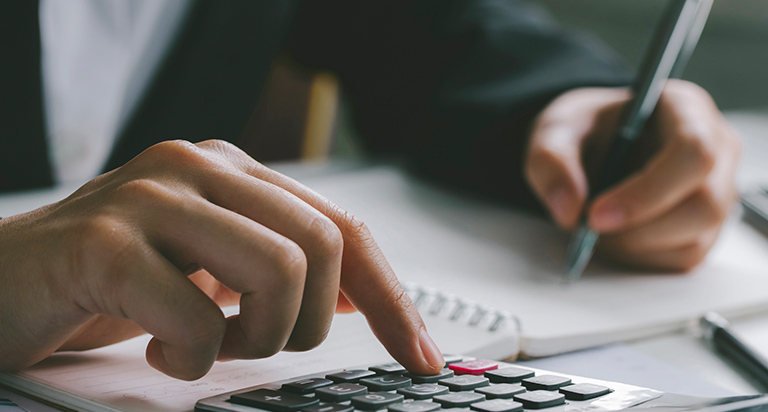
(666, 57)
(716, 332)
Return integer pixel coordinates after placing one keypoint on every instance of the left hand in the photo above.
(666, 214)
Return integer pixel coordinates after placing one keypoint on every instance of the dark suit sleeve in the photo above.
(453, 84)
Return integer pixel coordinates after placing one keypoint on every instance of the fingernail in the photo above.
(559, 202)
(607, 216)
(431, 352)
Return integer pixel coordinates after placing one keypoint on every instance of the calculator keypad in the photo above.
(273, 400)
(352, 375)
(389, 382)
(546, 382)
(540, 399)
(388, 388)
(509, 375)
(497, 405)
(421, 391)
(464, 382)
(306, 385)
(445, 373)
(340, 392)
(500, 391)
(376, 400)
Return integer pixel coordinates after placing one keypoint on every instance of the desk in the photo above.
(678, 349)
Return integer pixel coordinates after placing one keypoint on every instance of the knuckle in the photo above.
(327, 239)
(233, 155)
(218, 145)
(142, 190)
(698, 149)
(177, 152)
(353, 228)
(712, 211)
(397, 300)
(290, 263)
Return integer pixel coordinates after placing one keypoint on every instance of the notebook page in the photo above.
(511, 260)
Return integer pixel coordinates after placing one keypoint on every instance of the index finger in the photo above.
(367, 280)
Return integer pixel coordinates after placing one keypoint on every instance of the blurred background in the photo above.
(730, 61)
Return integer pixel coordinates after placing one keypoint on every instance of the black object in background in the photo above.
(756, 209)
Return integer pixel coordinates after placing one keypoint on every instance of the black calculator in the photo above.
(465, 385)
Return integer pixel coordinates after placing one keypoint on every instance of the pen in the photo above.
(716, 332)
(673, 43)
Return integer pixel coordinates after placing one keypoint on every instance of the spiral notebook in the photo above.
(117, 378)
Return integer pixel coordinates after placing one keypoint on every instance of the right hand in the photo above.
(117, 253)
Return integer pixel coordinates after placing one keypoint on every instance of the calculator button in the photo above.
(509, 375)
(449, 359)
(458, 400)
(445, 373)
(386, 382)
(340, 392)
(497, 405)
(474, 367)
(464, 382)
(423, 391)
(414, 407)
(272, 400)
(540, 399)
(500, 390)
(330, 407)
(584, 391)
(546, 382)
(388, 368)
(352, 375)
(305, 385)
(375, 400)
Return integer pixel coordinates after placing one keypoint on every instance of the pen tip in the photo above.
(579, 252)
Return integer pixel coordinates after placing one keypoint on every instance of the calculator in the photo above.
(465, 385)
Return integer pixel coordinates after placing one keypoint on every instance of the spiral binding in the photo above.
(432, 302)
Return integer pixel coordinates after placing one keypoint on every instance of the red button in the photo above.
(475, 367)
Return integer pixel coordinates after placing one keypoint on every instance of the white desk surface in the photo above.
(683, 351)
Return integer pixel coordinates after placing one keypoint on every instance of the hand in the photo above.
(122, 246)
(666, 214)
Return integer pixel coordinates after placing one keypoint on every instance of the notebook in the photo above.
(512, 261)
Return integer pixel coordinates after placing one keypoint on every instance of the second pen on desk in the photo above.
(717, 333)
(667, 55)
